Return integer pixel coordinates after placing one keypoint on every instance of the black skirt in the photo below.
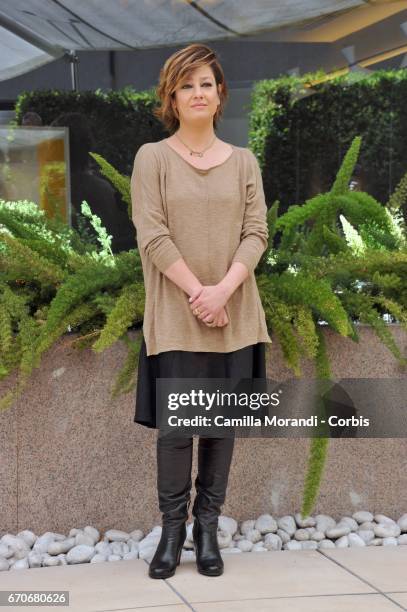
(247, 362)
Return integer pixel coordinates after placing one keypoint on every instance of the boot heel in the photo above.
(180, 553)
(208, 557)
(162, 566)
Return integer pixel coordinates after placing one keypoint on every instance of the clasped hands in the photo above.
(208, 304)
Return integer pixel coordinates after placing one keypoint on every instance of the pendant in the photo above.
(196, 153)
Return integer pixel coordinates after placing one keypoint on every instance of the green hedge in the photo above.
(121, 121)
(300, 134)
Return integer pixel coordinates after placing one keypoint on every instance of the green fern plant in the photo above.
(52, 282)
(337, 268)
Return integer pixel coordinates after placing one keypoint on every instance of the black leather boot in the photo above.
(214, 459)
(174, 462)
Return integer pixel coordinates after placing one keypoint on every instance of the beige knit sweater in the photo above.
(211, 218)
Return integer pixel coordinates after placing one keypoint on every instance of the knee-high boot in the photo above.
(214, 459)
(174, 462)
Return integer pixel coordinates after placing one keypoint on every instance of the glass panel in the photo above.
(34, 165)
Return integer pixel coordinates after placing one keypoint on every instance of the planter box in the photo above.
(70, 456)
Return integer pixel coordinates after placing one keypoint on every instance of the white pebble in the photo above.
(307, 521)
(375, 542)
(387, 530)
(390, 541)
(292, 545)
(245, 545)
(266, 524)
(119, 548)
(103, 548)
(227, 524)
(83, 538)
(342, 542)
(92, 532)
(224, 538)
(147, 552)
(115, 535)
(99, 558)
(318, 536)
(259, 547)
(309, 545)
(301, 535)
(382, 518)
(20, 564)
(132, 544)
(288, 524)
(28, 536)
(56, 548)
(367, 535)
(41, 544)
(51, 561)
(402, 522)
(189, 532)
(80, 554)
(337, 532)
(34, 559)
(18, 546)
(132, 554)
(355, 540)
(247, 525)
(74, 531)
(187, 555)
(137, 534)
(230, 550)
(367, 525)
(272, 542)
(326, 544)
(5, 551)
(349, 522)
(324, 522)
(238, 536)
(285, 537)
(253, 535)
(362, 516)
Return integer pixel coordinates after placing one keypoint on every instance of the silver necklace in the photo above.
(197, 153)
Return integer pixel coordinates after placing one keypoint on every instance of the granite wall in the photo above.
(71, 456)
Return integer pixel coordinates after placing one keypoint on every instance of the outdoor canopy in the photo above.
(34, 32)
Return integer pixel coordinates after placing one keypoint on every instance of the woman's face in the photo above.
(199, 88)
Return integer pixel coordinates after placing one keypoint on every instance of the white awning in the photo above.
(33, 32)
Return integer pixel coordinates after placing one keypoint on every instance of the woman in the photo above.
(199, 210)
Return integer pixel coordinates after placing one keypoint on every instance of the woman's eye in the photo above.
(187, 85)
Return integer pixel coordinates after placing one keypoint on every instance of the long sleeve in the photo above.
(153, 236)
(254, 235)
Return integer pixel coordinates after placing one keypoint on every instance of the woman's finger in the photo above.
(205, 314)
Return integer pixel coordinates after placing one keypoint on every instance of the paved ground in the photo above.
(371, 579)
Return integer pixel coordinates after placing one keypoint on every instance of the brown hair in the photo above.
(178, 67)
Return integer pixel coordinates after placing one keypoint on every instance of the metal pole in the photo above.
(74, 60)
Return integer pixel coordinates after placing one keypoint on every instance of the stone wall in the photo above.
(70, 456)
